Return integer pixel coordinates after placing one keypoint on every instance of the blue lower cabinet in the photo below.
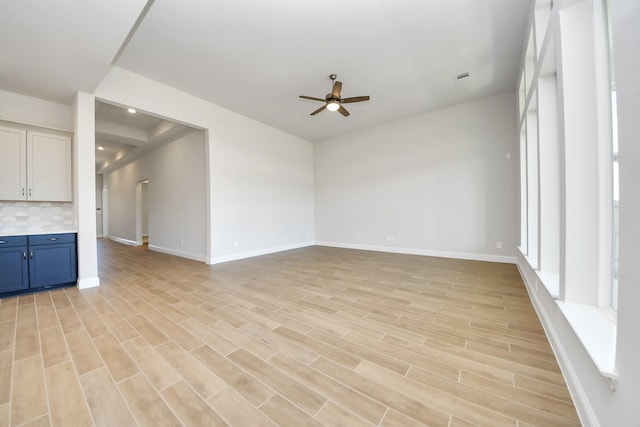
(14, 266)
(52, 265)
(37, 262)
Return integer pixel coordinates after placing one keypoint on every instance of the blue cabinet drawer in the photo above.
(11, 241)
(52, 239)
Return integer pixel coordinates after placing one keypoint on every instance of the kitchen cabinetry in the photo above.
(52, 259)
(14, 266)
(13, 173)
(36, 166)
(36, 262)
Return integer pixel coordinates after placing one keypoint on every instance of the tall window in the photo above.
(569, 169)
(568, 154)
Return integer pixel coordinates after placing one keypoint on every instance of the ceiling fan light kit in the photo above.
(333, 106)
(333, 101)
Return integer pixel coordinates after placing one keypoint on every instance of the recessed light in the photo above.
(100, 147)
(132, 110)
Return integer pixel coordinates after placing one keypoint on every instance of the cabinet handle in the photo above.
(29, 192)
(53, 239)
(2, 242)
(31, 254)
(24, 255)
(22, 191)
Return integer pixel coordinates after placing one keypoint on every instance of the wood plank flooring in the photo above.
(309, 337)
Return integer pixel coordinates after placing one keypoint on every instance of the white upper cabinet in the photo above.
(48, 167)
(13, 164)
(35, 166)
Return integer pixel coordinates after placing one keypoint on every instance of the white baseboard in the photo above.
(583, 407)
(123, 241)
(423, 252)
(188, 255)
(251, 254)
(91, 282)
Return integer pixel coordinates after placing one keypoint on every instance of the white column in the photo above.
(84, 189)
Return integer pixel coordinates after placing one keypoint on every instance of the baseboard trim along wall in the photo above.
(91, 282)
(188, 255)
(123, 241)
(582, 405)
(423, 252)
(251, 254)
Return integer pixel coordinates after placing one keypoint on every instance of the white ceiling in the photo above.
(52, 49)
(255, 57)
(122, 137)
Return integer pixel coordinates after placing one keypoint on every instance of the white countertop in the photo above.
(33, 233)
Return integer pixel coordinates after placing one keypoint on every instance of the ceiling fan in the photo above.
(332, 100)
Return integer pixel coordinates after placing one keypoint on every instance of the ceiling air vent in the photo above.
(462, 75)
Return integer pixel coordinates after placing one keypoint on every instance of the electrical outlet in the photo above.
(389, 238)
(508, 156)
(235, 244)
(498, 245)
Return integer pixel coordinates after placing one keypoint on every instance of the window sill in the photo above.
(531, 260)
(550, 280)
(597, 332)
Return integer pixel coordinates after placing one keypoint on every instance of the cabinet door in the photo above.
(52, 264)
(13, 162)
(48, 167)
(14, 273)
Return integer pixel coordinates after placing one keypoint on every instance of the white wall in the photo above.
(176, 197)
(121, 185)
(437, 183)
(34, 111)
(626, 33)
(262, 194)
(259, 180)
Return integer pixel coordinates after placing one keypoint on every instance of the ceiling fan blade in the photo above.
(318, 110)
(312, 98)
(343, 111)
(337, 87)
(355, 99)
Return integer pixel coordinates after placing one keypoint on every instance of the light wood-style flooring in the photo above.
(309, 337)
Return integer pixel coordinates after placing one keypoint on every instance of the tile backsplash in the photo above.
(33, 217)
